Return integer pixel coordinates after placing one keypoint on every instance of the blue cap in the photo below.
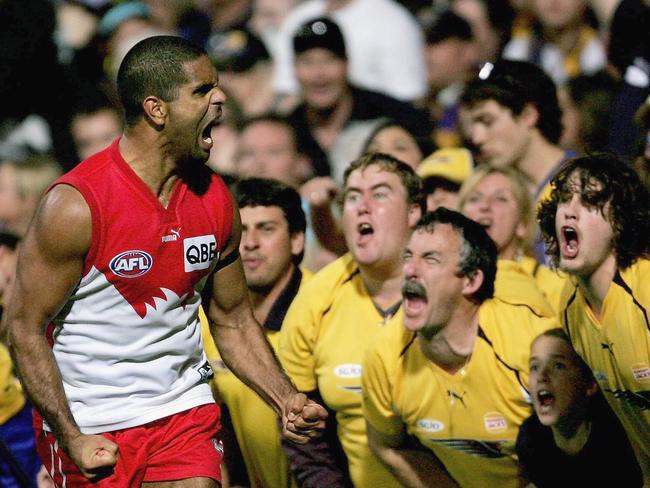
(121, 13)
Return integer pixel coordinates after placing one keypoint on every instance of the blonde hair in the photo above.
(520, 191)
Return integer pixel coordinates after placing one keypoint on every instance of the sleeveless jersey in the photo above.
(128, 341)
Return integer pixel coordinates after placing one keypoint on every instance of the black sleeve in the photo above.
(321, 462)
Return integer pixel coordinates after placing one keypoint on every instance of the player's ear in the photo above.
(471, 284)
(155, 109)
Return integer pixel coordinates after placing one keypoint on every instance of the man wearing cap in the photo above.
(384, 41)
(331, 105)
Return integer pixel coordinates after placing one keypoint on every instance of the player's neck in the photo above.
(451, 345)
(596, 285)
(263, 299)
(539, 159)
(152, 166)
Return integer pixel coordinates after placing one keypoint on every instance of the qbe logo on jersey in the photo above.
(199, 252)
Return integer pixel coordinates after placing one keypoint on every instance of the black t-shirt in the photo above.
(606, 460)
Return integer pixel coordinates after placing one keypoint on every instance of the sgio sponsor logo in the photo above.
(430, 425)
(130, 264)
(348, 370)
(199, 252)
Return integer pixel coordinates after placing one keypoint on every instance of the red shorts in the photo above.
(177, 447)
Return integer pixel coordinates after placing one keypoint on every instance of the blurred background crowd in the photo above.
(314, 84)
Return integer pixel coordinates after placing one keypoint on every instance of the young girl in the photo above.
(572, 439)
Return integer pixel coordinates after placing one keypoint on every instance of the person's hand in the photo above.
(43, 479)
(94, 455)
(319, 191)
(303, 419)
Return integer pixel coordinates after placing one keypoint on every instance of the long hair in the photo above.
(611, 186)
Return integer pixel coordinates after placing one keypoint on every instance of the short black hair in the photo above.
(604, 179)
(477, 251)
(154, 66)
(514, 84)
(264, 192)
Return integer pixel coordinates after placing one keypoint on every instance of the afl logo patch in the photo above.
(130, 264)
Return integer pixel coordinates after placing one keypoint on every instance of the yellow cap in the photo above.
(453, 163)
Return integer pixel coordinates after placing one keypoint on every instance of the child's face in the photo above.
(557, 384)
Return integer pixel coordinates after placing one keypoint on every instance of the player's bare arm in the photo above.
(50, 264)
(413, 467)
(246, 351)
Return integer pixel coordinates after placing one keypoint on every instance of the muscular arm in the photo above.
(414, 467)
(50, 264)
(247, 353)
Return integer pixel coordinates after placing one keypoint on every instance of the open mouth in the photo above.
(206, 135)
(365, 229)
(570, 242)
(545, 398)
(414, 297)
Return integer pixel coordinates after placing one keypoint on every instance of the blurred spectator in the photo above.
(96, 122)
(267, 19)
(390, 137)
(586, 102)
(181, 17)
(22, 184)
(559, 40)
(122, 27)
(332, 106)
(491, 22)
(642, 160)
(629, 53)
(451, 60)
(35, 117)
(245, 71)
(442, 174)
(268, 149)
(384, 43)
(226, 14)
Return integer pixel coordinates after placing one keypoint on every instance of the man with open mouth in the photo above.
(596, 225)
(454, 374)
(103, 321)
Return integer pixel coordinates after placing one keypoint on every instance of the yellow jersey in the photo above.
(617, 346)
(321, 347)
(11, 398)
(254, 421)
(549, 281)
(469, 419)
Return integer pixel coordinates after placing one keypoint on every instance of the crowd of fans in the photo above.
(351, 119)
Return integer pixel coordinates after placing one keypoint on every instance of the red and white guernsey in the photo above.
(128, 342)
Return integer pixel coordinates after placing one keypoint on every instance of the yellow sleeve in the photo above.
(208, 342)
(298, 339)
(377, 387)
